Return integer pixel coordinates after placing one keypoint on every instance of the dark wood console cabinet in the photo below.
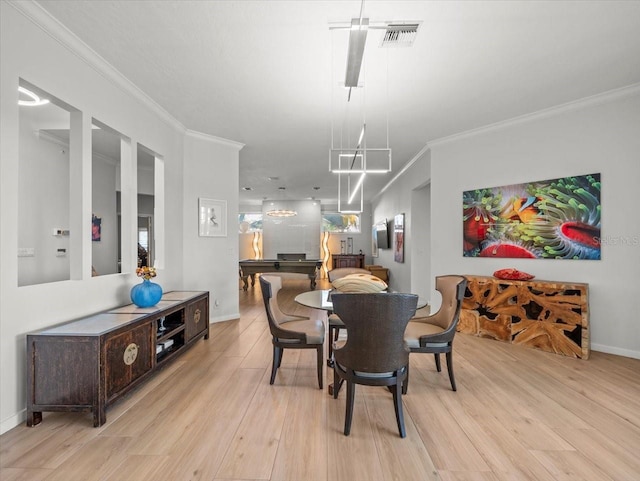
(89, 363)
(347, 260)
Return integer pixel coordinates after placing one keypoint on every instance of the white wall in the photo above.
(420, 246)
(290, 235)
(597, 135)
(211, 171)
(397, 198)
(57, 62)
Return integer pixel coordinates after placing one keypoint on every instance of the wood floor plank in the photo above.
(400, 458)
(355, 456)
(570, 466)
(467, 476)
(261, 352)
(172, 425)
(302, 448)
(200, 450)
(622, 463)
(95, 460)
(446, 442)
(137, 468)
(24, 474)
(254, 446)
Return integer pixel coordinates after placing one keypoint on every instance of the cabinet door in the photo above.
(197, 318)
(128, 356)
(63, 370)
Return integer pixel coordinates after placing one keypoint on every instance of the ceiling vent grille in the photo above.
(400, 35)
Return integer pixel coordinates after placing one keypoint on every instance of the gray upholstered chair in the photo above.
(434, 334)
(374, 353)
(289, 332)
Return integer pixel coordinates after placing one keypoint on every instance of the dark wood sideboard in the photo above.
(347, 260)
(89, 363)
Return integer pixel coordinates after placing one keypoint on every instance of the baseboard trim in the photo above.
(616, 350)
(228, 317)
(13, 421)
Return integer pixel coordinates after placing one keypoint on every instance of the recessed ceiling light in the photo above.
(273, 178)
(247, 188)
(316, 188)
(282, 188)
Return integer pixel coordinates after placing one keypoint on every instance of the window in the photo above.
(249, 222)
(336, 222)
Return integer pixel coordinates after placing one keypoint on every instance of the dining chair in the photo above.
(335, 323)
(374, 353)
(434, 334)
(287, 331)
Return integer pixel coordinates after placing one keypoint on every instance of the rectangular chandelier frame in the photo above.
(369, 161)
(351, 193)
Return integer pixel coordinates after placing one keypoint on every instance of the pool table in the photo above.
(251, 267)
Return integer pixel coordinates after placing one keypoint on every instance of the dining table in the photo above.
(321, 299)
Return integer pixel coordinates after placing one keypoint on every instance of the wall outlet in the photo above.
(61, 252)
(216, 303)
(26, 252)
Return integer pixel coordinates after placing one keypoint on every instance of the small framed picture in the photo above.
(212, 218)
(96, 228)
(398, 233)
(374, 241)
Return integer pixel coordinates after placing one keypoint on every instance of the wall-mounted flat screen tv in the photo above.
(382, 234)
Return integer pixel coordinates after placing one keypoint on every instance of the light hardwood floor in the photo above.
(519, 414)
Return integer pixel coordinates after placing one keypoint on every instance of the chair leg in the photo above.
(330, 352)
(405, 384)
(337, 384)
(280, 352)
(277, 355)
(449, 356)
(351, 391)
(437, 357)
(397, 404)
(320, 353)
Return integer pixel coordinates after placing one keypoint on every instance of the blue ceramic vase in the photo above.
(146, 294)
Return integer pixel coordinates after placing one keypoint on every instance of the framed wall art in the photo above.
(96, 228)
(212, 218)
(374, 241)
(547, 219)
(398, 238)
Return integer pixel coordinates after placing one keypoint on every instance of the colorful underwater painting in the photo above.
(549, 219)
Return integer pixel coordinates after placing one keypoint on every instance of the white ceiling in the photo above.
(259, 72)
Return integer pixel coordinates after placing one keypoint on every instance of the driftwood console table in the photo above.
(551, 316)
(89, 363)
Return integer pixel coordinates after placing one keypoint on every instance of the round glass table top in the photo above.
(319, 299)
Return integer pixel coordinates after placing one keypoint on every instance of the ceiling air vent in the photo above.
(400, 35)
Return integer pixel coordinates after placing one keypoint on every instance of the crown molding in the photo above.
(212, 138)
(591, 101)
(52, 26)
(402, 171)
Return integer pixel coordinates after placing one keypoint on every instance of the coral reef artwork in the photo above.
(549, 219)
